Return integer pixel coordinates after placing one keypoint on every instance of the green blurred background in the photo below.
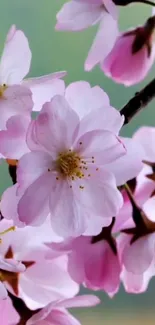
(53, 51)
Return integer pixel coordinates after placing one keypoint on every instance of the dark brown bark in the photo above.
(138, 102)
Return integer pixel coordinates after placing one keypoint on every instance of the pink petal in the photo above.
(57, 121)
(84, 99)
(103, 42)
(66, 215)
(99, 197)
(131, 162)
(33, 207)
(146, 137)
(47, 281)
(138, 256)
(45, 88)
(137, 283)
(104, 118)
(57, 317)
(11, 265)
(104, 146)
(149, 208)
(16, 58)
(75, 16)
(111, 8)
(13, 140)
(30, 167)
(9, 211)
(80, 301)
(106, 275)
(17, 101)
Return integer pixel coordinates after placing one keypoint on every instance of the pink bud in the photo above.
(132, 55)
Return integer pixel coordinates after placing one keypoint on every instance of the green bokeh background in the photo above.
(53, 51)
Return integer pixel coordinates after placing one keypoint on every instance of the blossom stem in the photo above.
(24, 312)
(127, 2)
(138, 102)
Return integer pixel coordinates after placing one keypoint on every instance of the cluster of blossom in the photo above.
(80, 211)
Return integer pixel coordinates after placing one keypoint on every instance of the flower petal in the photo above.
(76, 16)
(66, 215)
(45, 88)
(30, 167)
(17, 101)
(104, 146)
(16, 58)
(57, 121)
(104, 118)
(129, 165)
(84, 99)
(33, 207)
(13, 140)
(138, 256)
(80, 301)
(104, 41)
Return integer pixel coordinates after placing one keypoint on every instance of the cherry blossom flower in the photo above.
(76, 15)
(132, 55)
(83, 253)
(43, 281)
(66, 176)
(95, 118)
(8, 314)
(56, 313)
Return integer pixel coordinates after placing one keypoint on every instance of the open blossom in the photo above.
(132, 55)
(42, 281)
(65, 173)
(7, 313)
(76, 15)
(83, 253)
(56, 312)
(73, 151)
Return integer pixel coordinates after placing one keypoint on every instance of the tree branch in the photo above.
(24, 312)
(138, 102)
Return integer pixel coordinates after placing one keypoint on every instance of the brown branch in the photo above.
(24, 312)
(138, 102)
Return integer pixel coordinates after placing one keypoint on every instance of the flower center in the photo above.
(2, 89)
(68, 164)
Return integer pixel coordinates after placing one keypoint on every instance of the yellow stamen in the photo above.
(13, 228)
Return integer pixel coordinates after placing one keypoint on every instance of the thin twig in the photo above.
(138, 102)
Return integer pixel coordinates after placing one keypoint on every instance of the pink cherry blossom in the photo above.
(76, 15)
(66, 174)
(43, 281)
(132, 55)
(14, 66)
(7, 313)
(56, 313)
(94, 113)
(83, 254)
